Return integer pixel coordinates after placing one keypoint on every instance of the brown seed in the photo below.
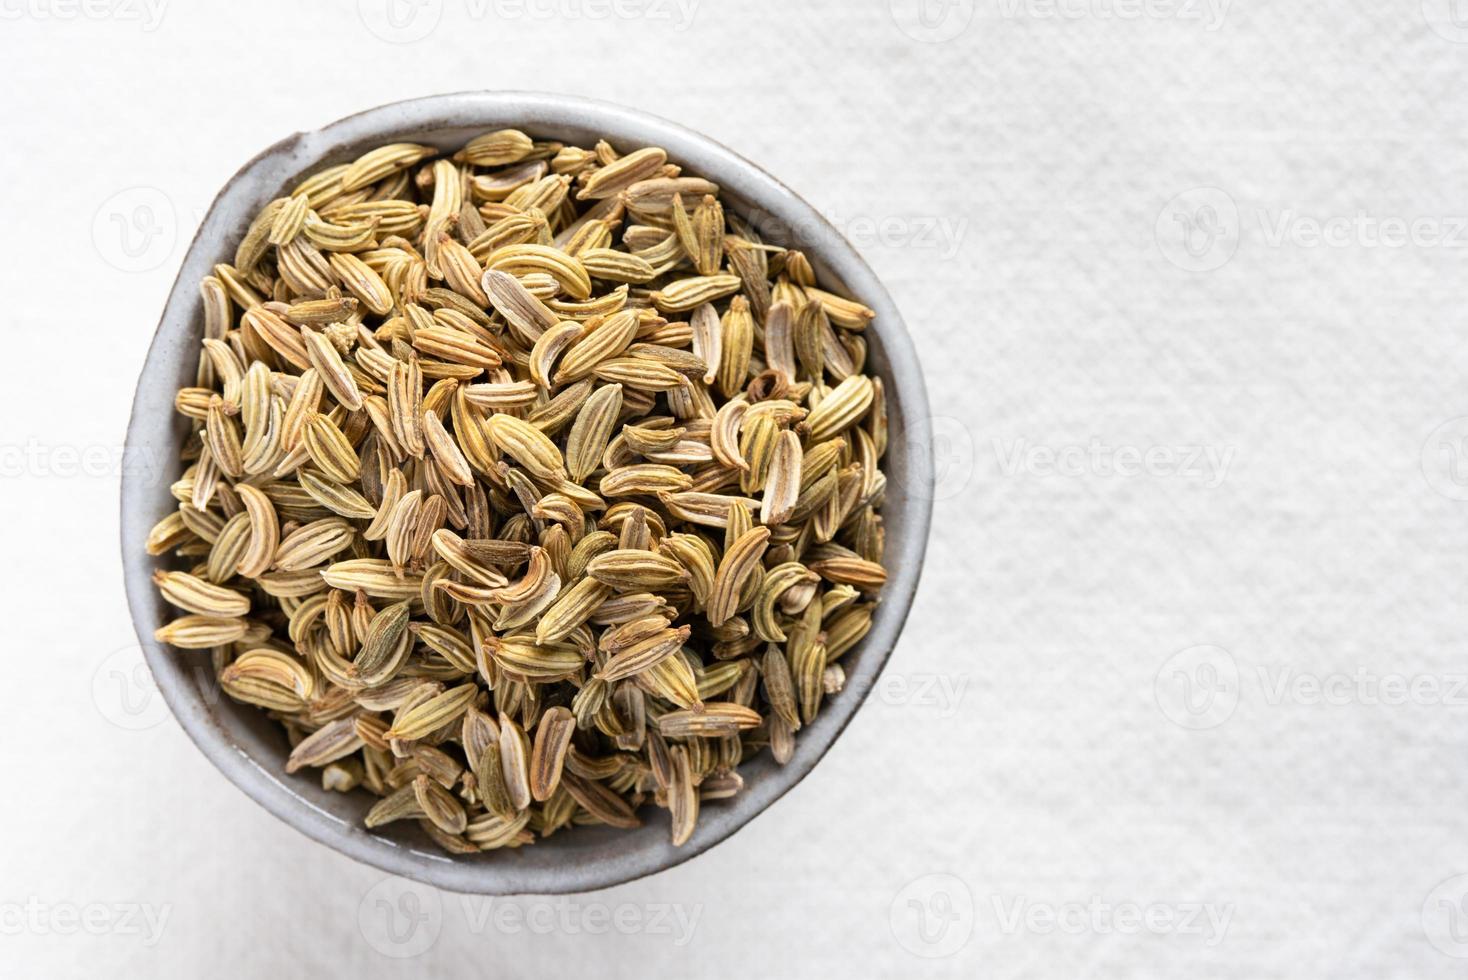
(552, 739)
(734, 569)
(592, 430)
(601, 802)
(782, 480)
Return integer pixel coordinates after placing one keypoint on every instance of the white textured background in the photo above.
(1037, 756)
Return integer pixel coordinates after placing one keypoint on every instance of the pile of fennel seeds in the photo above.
(526, 487)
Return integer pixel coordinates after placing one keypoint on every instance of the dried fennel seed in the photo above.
(527, 487)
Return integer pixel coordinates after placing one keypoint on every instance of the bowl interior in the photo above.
(250, 748)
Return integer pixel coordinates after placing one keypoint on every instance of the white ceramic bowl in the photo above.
(250, 749)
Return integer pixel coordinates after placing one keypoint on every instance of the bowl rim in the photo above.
(400, 120)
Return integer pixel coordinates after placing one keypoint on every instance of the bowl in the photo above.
(250, 749)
